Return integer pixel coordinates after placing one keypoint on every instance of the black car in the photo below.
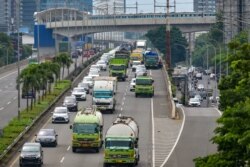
(31, 154)
(47, 137)
(28, 94)
(71, 103)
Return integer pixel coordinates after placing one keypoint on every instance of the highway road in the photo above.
(199, 124)
(162, 139)
(8, 94)
(141, 108)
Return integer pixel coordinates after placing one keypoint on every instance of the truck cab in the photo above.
(87, 130)
(118, 68)
(144, 86)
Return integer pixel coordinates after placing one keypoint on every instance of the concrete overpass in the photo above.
(72, 23)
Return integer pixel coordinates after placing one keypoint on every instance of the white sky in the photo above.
(148, 6)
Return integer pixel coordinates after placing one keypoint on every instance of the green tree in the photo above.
(178, 43)
(64, 60)
(233, 133)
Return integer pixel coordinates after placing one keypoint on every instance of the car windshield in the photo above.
(85, 128)
(118, 67)
(30, 149)
(60, 110)
(101, 62)
(83, 85)
(143, 82)
(103, 94)
(93, 73)
(117, 143)
(121, 56)
(136, 62)
(78, 90)
(87, 79)
(194, 100)
(46, 133)
(69, 100)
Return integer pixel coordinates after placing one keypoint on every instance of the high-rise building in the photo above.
(5, 15)
(235, 16)
(204, 6)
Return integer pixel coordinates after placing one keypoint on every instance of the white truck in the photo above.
(141, 44)
(104, 91)
(121, 143)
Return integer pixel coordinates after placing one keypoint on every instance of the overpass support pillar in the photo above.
(191, 42)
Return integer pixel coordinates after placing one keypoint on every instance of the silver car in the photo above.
(60, 114)
(79, 93)
(47, 137)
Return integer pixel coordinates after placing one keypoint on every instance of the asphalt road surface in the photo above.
(8, 94)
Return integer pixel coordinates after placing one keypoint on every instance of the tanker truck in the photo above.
(87, 130)
(121, 143)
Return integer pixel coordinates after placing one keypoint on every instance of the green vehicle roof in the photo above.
(82, 117)
(143, 77)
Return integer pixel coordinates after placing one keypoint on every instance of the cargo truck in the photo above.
(87, 130)
(151, 59)
(118, 68)
(121, 143)
(136, 55)
(144, 86)
(141, 44)
(104, 93)
(123, 54)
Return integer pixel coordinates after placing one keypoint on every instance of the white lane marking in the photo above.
(218, 111)
(153, 132)
(14, 98)
(8, 102)
(121, 109)
(8, 75)
(177, 140)
(1, 108)
(150, 72)
(62, 160)
(68, 148)
(122, 103)
(11, 84)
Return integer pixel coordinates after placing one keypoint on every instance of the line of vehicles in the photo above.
(122, 137)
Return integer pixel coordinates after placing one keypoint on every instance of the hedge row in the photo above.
(17, 126)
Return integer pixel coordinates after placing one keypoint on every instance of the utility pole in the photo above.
(168, 48)
(18, 60)
(38, 33)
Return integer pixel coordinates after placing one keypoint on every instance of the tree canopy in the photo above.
(178, 43)
(233, 133)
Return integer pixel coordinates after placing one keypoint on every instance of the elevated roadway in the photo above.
(71, 22)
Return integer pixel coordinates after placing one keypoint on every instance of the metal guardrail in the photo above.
(21, 135)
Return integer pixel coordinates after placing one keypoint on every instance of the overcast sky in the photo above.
(148, 5)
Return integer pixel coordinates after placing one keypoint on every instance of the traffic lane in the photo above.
(89, 157)
(140, 109)
(8, 104)
(195, 138)
(53, 156)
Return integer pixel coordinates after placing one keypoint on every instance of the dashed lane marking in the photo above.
(14, 98)
(8, 102)
(62, 160)
(121, 109)
(1, 108)
(68, 148)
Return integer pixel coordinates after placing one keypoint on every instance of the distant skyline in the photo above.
(148, 6)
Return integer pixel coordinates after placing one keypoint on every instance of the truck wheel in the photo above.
(123, 79)
(97, 150)
(105, 165)
(73, 149)
(136, 95)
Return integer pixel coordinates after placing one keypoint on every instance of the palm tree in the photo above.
(69, 61)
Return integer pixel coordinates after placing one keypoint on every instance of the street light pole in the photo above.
(18, 61)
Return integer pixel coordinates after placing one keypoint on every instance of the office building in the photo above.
(236, 16)
(5, 15)
(204, 6)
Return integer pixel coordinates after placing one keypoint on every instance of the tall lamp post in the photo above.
(18, 60)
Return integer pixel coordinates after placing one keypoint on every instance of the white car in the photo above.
(198, 97)
(198, 76)
(89, 80)
(135, 64)
(200, 87)
(79, 93)
(132, 84)
(93, 74)
(96, 66)
(60, 114)
(102, 64)
(194, 102)
(140, 72)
